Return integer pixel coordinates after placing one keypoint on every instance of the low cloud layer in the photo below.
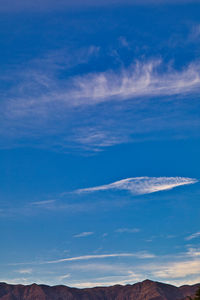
(178, 269)
(124, 268)
(142, 185)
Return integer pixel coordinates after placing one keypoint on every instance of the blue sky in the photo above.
(99, 142)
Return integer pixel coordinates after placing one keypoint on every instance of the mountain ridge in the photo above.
(145, 290)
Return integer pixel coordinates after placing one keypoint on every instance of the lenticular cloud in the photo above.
(142, 185)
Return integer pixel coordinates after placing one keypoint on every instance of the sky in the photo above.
(99, 142)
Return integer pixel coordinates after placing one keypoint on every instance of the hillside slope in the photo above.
(146, 290)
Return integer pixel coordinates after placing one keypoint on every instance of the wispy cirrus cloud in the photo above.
(193, 236)
(84, 234)
(142, 185)
(135, 186)
(43, 203)
(24, 271)
(139, 80)
(127, 230)
(140, 255)
(85, 111)
(66, 276)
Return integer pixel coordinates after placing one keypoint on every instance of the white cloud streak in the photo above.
(140, 255)
(84, 234)
(127, 230)
(178, 269)
(140, 80)
(66, 108)
(62, 277)
(193, 236)
(43, 203)
(24, 271)
(142, 185)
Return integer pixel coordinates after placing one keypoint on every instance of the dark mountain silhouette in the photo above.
(146, 290)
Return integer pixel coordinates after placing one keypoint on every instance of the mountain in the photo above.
(146, 290)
